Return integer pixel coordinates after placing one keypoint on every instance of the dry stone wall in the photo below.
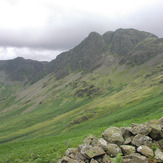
(141, 143)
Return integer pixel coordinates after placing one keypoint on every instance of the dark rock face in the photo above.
(126, 46)
(129, 45)
(142, 148)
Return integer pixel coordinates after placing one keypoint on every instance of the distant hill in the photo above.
(20, 69)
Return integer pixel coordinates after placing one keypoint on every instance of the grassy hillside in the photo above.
(39, 122)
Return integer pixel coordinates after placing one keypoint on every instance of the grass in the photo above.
(44, 133)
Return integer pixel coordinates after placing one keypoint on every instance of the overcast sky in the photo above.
(42, 29)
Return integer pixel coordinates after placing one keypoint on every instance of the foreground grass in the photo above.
(64, 119)
(50, 149)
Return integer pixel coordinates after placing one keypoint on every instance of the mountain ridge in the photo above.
(129, 45)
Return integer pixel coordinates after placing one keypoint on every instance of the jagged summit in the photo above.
(123, 45)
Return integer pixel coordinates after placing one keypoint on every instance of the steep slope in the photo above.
(111, 79)
(124, 45)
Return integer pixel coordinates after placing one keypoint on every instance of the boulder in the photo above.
(146, 151)
(156, 129)
(102, 143)
(81, 158)
(127, 149)
(128, 140)
(71, 152)
(113, 135)
(139, 140)
(161, 121)
(135, 158)
(126, 132)
(91, 140)
(66, 159)
(143, 129)
(94, 152)
(93, 161)
(83, 148)
(159, 155)
(160, 143)
(113, 149)
(105, 159)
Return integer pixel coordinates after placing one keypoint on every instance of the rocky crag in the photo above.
(141, 143)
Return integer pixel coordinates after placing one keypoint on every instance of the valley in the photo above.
(110, 80)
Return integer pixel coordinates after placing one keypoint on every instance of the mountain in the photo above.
(20, 69)
(110, 79)
(127, 46)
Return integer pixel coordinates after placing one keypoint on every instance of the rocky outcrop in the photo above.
(141, 143)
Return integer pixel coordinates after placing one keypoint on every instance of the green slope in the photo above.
(40, 121)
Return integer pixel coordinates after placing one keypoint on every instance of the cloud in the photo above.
(28, 53)
(33, 29)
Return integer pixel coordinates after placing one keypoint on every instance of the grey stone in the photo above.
(145, 150)
(102, 143)
(106, 159)
(161, 121)
(66, 159)
(113, 135)
(91, 140)
(139, 140)
(126, 132)
(127, 149)
(93, 161)
(79, 157)
(128, 140)
(160, 143)
(94, 152)
(71, 152)
(159, 155)
(113, 149)
(143, 129)
(135, 158)
(156, 129)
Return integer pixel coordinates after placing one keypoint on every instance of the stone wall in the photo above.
(141, 143)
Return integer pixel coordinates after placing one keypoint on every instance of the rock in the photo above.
(91, 140)
(159, 155)
(128, 140)
(113, 149)
(156, 129)
(160, 143)
(113, 135)
(71, 152)
(83, 148)
(161, 121)
(93, 161)
(134, 124)
(106, 159)
(66, 159)
(94, 152)
(79, 157)
(143, 129)
(102, 143)
(135, 158)
(126, 132)
(127, 149)
(145, 150)
(139, 140)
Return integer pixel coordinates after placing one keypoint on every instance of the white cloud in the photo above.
(28, 53)
(43, 26)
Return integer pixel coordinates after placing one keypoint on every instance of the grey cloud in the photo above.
(63, 30)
